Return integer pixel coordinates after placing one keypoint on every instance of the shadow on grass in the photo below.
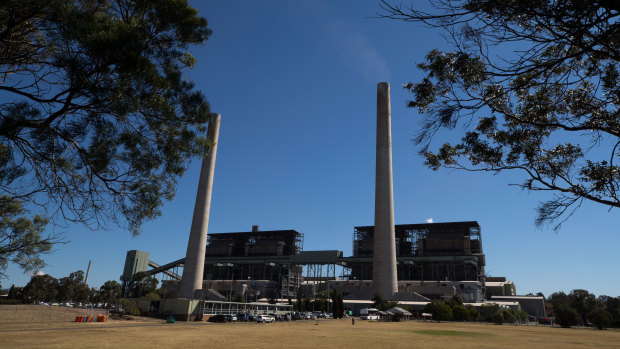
(452, 333)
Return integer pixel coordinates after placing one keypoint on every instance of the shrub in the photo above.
(488, 310)
(454, 301)
(153, 296)
(509, 316)
(10, 301)
(521, 315)
(460, 313)
(600, 318)
(498, 317)
(440, 310)
(567, 316)
(129, 306)
(473, 314)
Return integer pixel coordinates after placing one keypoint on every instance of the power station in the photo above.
(410, 263)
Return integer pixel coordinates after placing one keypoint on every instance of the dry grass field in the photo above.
(44, 314)
(151, 333)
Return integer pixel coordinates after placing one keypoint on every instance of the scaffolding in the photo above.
(433, 251)
(255, 243)
(451, 238)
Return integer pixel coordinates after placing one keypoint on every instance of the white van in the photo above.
(369, 314)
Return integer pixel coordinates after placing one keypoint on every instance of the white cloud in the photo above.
(352, 46)
(37, 273)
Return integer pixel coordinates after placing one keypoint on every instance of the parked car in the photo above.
(217, 318)
(243, 317)
(265, 318)
(231, 318)
(283, 317)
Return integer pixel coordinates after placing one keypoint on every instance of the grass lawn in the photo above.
(151, 333)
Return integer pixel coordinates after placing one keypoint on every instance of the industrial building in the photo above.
(432, 251)
(434, 261)
(411, 263)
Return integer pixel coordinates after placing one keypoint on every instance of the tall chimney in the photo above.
(191, 281)
(384, 279)
(87, 273)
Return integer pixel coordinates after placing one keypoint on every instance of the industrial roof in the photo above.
(431, 226)
(497, 283)
(517, 297)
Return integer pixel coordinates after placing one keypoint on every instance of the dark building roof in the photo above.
(431, 227)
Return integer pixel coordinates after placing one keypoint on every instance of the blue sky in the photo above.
(295, 83)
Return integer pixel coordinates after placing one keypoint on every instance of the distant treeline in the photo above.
(579, 307)
(73, 290)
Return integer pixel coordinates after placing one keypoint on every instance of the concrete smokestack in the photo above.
(384, 256)
(191, 281)
(87, 273)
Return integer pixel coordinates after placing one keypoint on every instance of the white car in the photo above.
(369, 317)
(265, 318)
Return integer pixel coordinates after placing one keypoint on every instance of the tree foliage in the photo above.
(509, 316)
(97, 120)
(382, 304)
(487, 311)
(46, 288)
(129, 306)
(521, 315)
(110, 291)
(337, 304)
(460, 313)
(582, 301)
(41, 288)
(440, 310)
(473, 314)
(299, 302)
(566, 316)
(534, 84)
(498, 318)
(141, 284)
(454, 301)
(73, 289)
(600, 318)
(22, 239)
(15, 292)
(612, 306)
